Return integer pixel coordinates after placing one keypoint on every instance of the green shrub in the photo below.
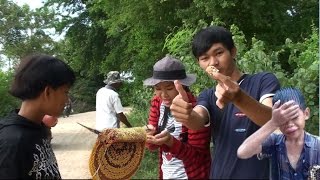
(8, 102)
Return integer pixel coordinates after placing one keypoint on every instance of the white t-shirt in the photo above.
(108, 105)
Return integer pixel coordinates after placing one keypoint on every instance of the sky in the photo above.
(32, 3)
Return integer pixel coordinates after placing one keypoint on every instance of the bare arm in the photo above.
(253, 144)
(123, 119)
(280, 115)
(258, 112)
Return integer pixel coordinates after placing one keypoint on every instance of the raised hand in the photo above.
(284, 113)
(227, 90)
(180, 108)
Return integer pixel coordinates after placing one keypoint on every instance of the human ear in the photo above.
(233, 52)
(307, 113)
(47, 91)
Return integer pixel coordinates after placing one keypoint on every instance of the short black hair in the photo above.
(205, 38)
(290, 93)
(37, 71)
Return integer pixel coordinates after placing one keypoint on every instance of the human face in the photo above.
(166, 91)
(219, 57)
(294, 129)
(57, 99)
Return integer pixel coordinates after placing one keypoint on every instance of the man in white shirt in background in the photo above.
(109, 110)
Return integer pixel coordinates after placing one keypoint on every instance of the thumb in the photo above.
(181, 91)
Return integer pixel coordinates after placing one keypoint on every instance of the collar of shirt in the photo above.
(110, 87)
(307, 140)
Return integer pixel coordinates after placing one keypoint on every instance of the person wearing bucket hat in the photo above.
(109, 110)
(235, 108)
(184, 153)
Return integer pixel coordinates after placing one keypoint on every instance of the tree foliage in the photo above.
(131, 35)
(271, 22)
(7, 103)
(23, 31)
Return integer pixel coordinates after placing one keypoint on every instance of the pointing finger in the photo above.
(224, 81)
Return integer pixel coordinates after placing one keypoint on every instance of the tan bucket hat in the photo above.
(113, 77)
(117, 153)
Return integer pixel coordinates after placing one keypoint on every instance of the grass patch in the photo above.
(149, 166)
(138, 117)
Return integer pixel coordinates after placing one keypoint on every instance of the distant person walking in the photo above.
(67, 109)
(109, 110)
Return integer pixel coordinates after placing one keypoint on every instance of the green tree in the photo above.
(23, 31)
(270, 21)
(8, 102)
(304, 58)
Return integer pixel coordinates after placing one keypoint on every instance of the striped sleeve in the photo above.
(154, 114)
(154, 111)
(195, 153)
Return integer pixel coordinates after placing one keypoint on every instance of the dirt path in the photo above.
(72, 144)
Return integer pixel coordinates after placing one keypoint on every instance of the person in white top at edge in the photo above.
(109, 110)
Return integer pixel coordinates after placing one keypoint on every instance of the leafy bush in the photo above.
(304, 58)
(8, 102)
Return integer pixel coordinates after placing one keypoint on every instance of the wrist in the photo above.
(273, 123)
(238, 96)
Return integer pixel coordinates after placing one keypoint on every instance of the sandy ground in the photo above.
(72, 144)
